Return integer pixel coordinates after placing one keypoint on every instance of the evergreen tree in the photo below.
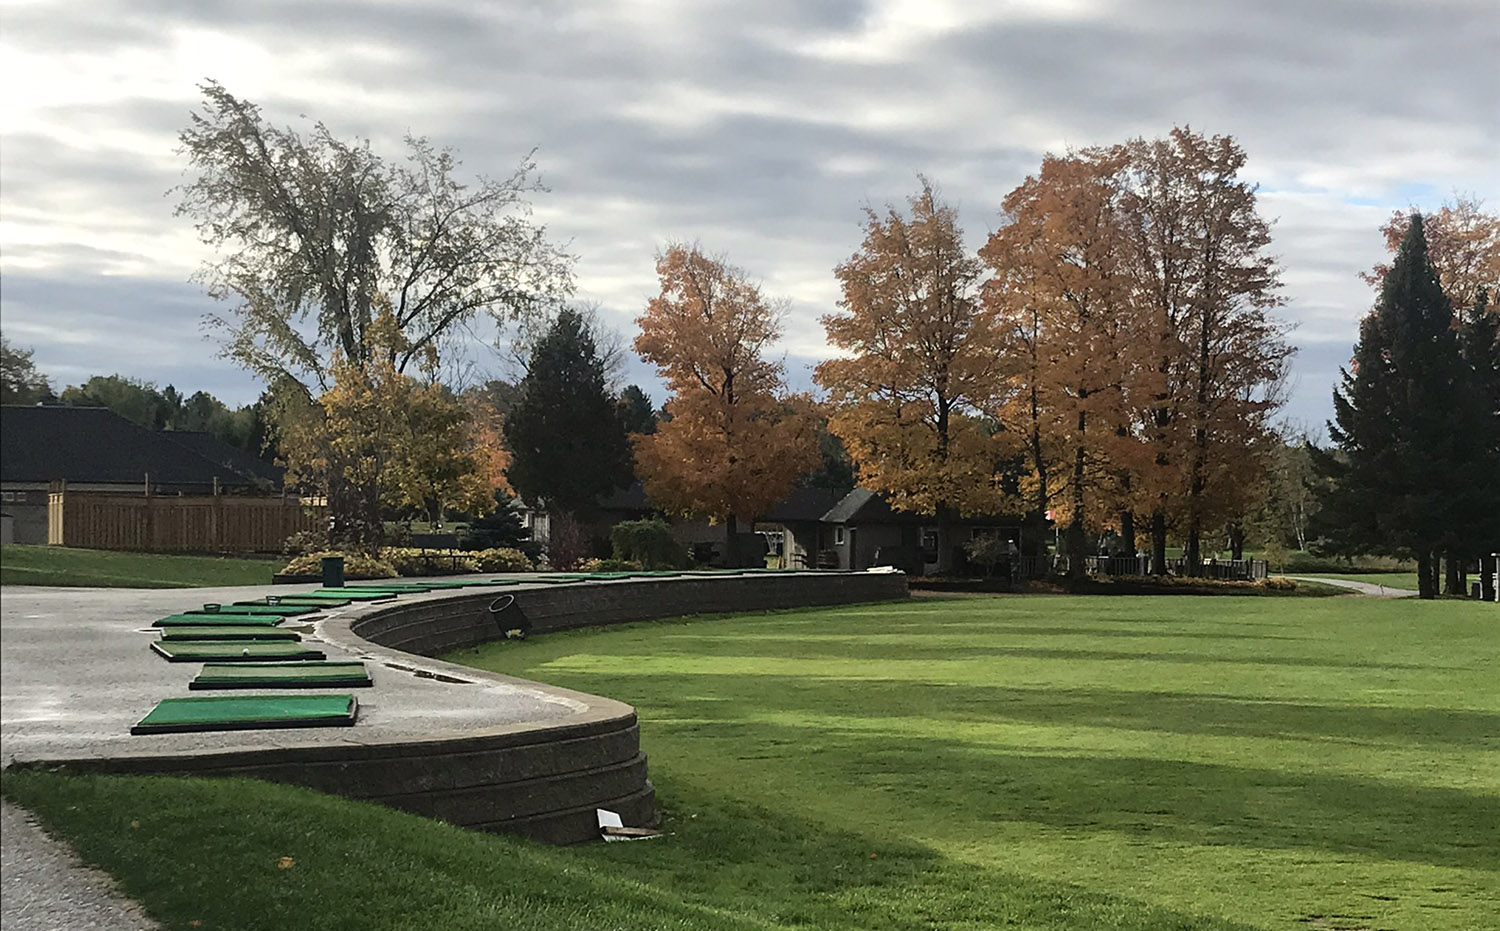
(635, 411)
(1401, 422)
(566, 442)
(1479, 531)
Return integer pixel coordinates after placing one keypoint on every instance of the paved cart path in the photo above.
(1362, 588)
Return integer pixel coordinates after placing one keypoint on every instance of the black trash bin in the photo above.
(333, 572)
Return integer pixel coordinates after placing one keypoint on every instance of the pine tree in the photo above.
(1400, 417)
(566, 443)
(1479, 531)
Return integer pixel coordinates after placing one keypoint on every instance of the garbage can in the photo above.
(333, 572)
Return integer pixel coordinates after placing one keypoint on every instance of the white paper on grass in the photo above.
(608, 819)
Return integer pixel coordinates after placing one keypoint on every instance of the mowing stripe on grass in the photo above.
(236, 712)
(312, 675)
(231, 651)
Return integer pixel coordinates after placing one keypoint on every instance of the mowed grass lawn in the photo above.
(57, 565)
(946, 763)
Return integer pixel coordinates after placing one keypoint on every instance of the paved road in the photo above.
(1363, 588)
(46, 888)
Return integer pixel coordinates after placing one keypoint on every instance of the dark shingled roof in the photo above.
(862, 506)
(802, 505)
(215, 450)
(93, 444)
(866, 507)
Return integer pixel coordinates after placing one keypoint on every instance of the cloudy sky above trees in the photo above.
(760, 130)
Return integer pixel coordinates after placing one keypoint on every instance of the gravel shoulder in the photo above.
(47, 888)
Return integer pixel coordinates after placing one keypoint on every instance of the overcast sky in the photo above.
(759, 129)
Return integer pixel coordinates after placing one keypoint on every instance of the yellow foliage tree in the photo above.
(379, 438)
(733, 443)
(923, 368)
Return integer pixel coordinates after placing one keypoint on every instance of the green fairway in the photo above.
(963, 763)
(56, 565)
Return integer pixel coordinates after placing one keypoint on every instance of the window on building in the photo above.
(838, 535)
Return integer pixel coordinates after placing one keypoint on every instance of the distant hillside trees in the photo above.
(20, 382)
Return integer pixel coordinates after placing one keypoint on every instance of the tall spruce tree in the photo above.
(566, 441)
(1404, 423)
(1479, 530)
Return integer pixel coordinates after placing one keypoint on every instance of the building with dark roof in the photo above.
(863, 530)
(93, 449)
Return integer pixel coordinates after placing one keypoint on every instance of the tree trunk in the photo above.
(1075, 527)
(1487, 565)
(1453, 584)
(732, 543)
(945, 538)
(1236, 541)
(1159, 542)
(1425, 586)
(1127, 531)
(1192, 552)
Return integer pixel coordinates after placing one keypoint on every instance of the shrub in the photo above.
(1277, 583)
(502, 559)
(609, 565)
(501, 529)
(567, 542)
(356, 565)
(649, 543)
(305, 541)
(411, 561)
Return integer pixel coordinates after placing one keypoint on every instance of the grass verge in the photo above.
(56, 565)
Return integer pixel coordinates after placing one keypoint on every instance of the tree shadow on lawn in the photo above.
(861, 648)
(934, 779)
(928, 629)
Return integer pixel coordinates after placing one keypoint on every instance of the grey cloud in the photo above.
(1375, 91)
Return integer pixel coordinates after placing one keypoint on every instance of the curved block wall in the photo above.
(431, 628)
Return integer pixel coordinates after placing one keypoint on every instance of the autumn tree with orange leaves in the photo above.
(1206, 287)
(924, 363)
(1062, 286)
(1463, 245)
(734, 442)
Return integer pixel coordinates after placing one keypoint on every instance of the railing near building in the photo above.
(176, 523)
(1031, 567)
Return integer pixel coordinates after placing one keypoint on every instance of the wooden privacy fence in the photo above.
(171, 523)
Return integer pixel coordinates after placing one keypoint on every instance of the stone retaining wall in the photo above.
(431, 628)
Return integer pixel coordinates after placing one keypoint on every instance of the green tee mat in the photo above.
(258, 608)
(320, 602)
(228, 633)
(405, 586)
(223, 620)
(232, 651)
(247, 712)
(281, 676)
(350, 594)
